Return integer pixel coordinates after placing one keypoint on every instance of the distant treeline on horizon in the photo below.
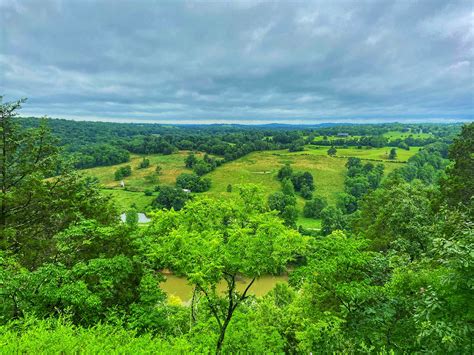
(91, 144)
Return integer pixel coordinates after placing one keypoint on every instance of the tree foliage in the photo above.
(230, 239)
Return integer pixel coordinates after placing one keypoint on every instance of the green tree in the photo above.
(229, 238)
(332, 219)
(122, 172)
(357, 186)
(346, 202)
(190, 161)
(171, 197)
(287, 187)
(285, 172)
(459, 187)
(354, 166)
(131, 217)
(339, 288)
(145, 163)
(290, 215)
(95, 274)
(285, 205)
(201, 167)
(374, 177)
(306, 192)
(399, 218)
(301, 179)
(40, 194)
(332, 151)
(393, 154)
(193, 182)
(313, 208)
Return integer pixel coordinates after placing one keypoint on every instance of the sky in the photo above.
(239, 61)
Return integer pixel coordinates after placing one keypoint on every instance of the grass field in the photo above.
(364, 153)
(402, 135)
(172, 165)
(391, 135)
(258, 168)
(125, 199)
(262, 167)
(333, 138)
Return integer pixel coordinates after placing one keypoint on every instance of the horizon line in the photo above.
(257, 122)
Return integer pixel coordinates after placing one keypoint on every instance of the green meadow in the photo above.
(333, 138)
(125, 199)
(363, 153)
(258, 168)
(141, 179)
(402, 135)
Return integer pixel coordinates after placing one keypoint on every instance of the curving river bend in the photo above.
(178, 286)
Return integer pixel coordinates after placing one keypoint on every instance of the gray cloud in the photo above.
(239, 61)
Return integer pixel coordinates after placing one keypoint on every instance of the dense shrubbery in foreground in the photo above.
(392, 273)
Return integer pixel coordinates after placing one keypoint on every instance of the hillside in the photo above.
(257, 167)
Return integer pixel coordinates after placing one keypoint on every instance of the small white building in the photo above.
(187, 191)
(122, 183)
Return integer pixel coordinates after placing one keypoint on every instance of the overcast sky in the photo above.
(223, 61)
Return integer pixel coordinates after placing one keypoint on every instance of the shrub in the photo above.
(313, 208)
(145, 163)
(122, 172)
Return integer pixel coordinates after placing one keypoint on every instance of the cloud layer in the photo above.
(239, 61)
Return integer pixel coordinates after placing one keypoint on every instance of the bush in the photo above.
(278, 201)
(306, 192)
(145, 163)
(122, 172)
(190, 161)
(285, 172)
(313, 208)
(131, 217)
(332, 219)
(193, 182)
(393, 154)
(171, 197)
(301, 179)
(332, 151)
(201, 167)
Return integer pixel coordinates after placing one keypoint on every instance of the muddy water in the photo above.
(179, 287)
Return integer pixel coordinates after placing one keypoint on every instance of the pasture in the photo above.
(258, 168)
(401, 135)
(333, 138)
(141, 179)
(363, 153)
(126, 199)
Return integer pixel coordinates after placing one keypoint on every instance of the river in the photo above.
(142, 218)
(178, 286)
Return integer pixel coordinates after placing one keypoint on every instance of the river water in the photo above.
(142, 218)
(178, 286)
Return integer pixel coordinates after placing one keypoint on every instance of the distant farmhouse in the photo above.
(343, 134)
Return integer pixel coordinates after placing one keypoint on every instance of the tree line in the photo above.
(90, 144)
